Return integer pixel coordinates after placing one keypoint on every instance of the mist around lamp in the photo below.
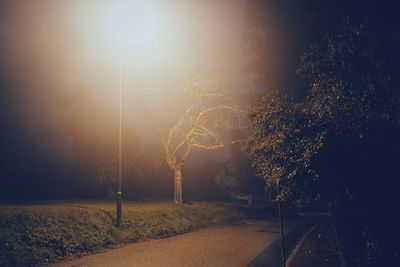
(132, 24)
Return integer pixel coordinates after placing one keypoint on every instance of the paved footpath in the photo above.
(217, 246)
(319, 249)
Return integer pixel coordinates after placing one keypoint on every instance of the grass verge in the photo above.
(49, 232)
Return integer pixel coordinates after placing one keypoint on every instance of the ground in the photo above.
(50, 232)
(216, 246)
(318, 249)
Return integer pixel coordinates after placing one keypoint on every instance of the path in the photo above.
(216, 246)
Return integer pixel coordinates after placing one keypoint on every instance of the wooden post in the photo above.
(283, 256)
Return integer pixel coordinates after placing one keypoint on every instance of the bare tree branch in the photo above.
(209, 119)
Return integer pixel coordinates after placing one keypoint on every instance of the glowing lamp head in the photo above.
(132, 23)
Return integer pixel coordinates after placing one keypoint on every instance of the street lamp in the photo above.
(134, 24)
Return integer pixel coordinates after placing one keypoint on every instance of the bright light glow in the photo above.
(132, 23)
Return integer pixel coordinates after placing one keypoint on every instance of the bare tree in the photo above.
(212, 120)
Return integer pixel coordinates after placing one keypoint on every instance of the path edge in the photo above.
(296, 249)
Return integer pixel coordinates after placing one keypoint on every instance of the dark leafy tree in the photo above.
(354, 98)
(341, 137)
(283, 140)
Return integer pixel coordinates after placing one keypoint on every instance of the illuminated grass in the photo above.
(47, 232)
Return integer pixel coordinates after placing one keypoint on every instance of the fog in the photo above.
(60, 80)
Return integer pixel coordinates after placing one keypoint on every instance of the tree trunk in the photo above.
(178, 184)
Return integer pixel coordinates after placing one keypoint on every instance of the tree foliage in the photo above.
(351, 80)
(354, 97)
(283, 140)
(341, 136)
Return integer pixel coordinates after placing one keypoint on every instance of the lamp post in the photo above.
(283, 256)
(131, 23)
(119, 192)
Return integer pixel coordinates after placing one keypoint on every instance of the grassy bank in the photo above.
(47, 232)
